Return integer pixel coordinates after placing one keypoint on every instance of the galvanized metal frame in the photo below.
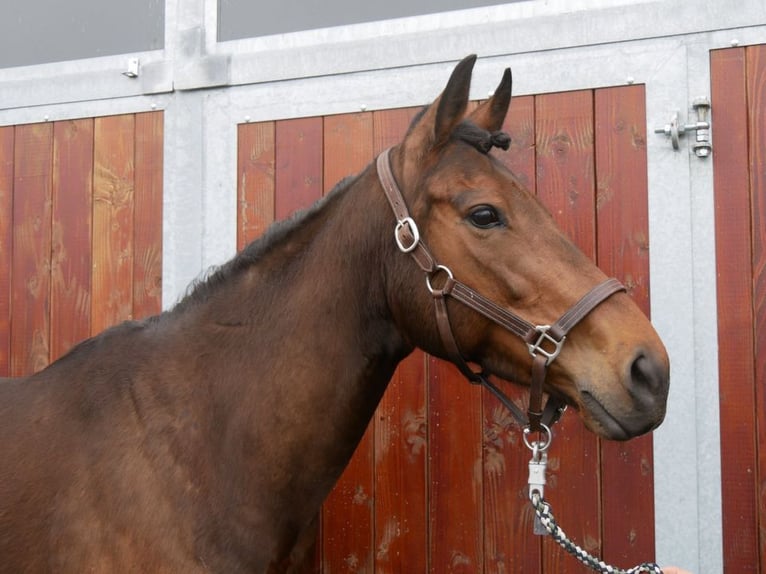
(206, 88)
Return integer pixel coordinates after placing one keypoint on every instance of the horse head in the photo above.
(482, 226)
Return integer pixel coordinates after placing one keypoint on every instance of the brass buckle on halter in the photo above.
(414, 231)
(545, 338)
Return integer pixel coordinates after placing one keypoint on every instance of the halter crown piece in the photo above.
(543, 341)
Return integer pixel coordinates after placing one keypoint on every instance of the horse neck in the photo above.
(302, 343)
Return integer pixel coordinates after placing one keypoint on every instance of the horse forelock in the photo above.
(479, 138)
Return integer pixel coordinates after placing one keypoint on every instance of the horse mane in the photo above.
(278, 232)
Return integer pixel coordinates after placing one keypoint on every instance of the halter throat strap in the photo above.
(544, 342)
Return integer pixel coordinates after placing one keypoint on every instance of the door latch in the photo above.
(675, 129)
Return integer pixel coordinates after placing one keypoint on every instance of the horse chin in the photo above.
(599, 419)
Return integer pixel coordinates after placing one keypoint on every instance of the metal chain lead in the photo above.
(544, 514)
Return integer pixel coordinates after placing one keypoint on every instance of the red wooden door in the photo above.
(739, 163)
(80, 232)
(438, 483)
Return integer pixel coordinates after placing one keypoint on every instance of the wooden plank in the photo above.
(6, 233)
(735, 324)
(520, 157)
(30, 267)
(147, 223)
(509, 543)
(756, 98)
(347, 514)
(566, 185)
(623, 252)
(113, 205)
(401, 532)
(71, 244)
(255, 180)
(298, 172)
(401, 528)
(455, 470)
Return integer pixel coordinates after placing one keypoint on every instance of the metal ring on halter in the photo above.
(538, 446)
(439, 268)
(409, 222)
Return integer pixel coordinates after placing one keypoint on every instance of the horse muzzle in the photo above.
(636, 407)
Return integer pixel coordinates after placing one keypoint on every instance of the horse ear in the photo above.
(435, 125)
(453, 100)
(490, 115)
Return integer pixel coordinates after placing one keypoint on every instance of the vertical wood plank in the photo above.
(255, 180)
(298, 173)
(401, 529)
(147, 222)
(401, 422)
(71, 243)
(510, 544)
(30, 268)
(735, 324)
(347, 514)
(623, 252)
(566, 185)
(113, 206)
(6, 229)
(455, 470)
(756, 97)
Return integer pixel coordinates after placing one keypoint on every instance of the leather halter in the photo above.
(543, 341)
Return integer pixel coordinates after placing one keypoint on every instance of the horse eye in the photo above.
(485, 216)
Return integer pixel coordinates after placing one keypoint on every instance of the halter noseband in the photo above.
(543, 341)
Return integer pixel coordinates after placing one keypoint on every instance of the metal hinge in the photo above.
(675, 129)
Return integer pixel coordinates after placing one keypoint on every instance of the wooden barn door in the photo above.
(80, 232)
(738, 77)
(438, 484)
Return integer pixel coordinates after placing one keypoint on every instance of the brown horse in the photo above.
(206, 438)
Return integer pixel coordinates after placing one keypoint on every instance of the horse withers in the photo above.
(206, 438)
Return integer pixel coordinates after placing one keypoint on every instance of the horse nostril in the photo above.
(648, 375)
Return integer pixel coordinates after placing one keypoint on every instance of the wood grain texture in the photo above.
(31, 249)
(298, 172)
(623, 252)
(71, 247)
(756, 97)
(6, 233)
(113, 207)
(455, 508)
(147, 219)
(566, 185)
(347, 514)
(255, 180)
(735, 317)
(401, 486)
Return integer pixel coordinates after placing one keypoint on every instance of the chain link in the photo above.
(544, 513)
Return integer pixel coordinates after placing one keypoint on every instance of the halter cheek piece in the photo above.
(543, 341)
